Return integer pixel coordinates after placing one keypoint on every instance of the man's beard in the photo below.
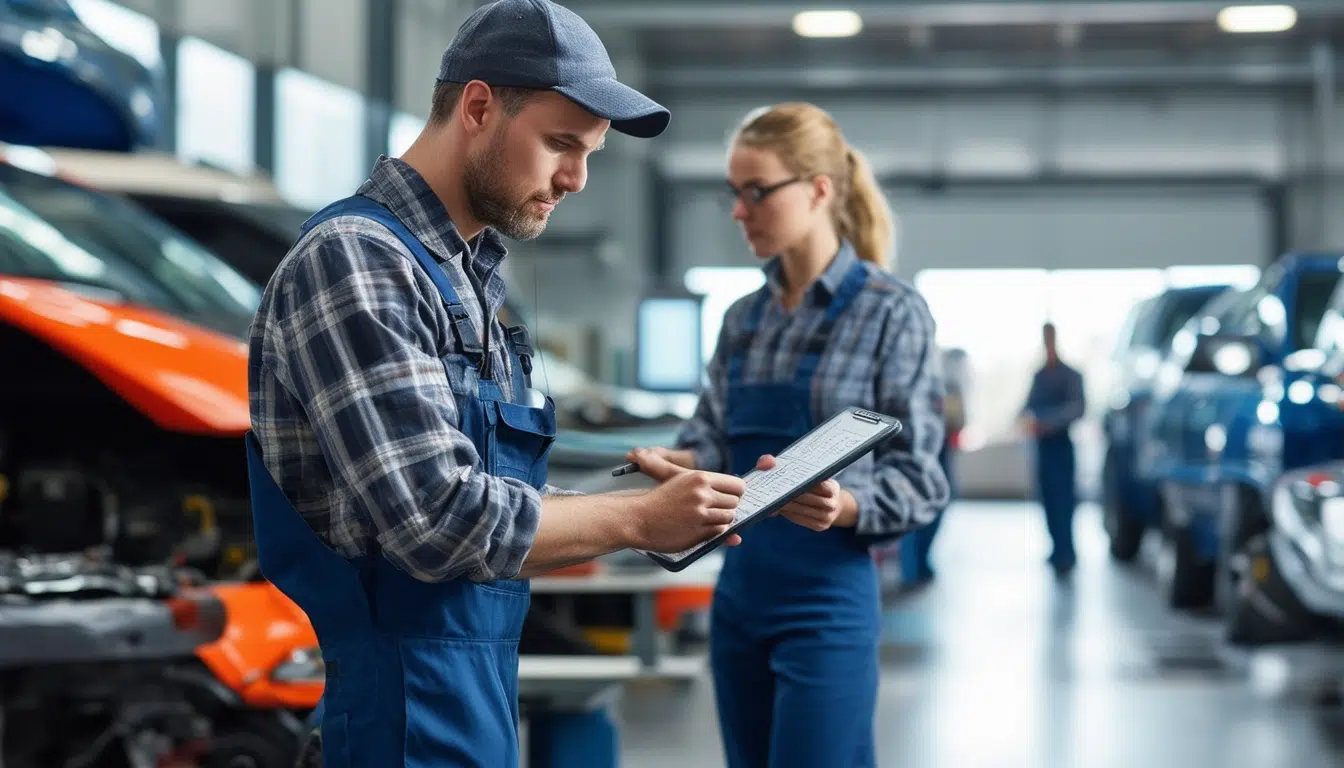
(490, 200)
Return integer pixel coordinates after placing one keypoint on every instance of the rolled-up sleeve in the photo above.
(360, 351)
(702, 434)
(907, 487)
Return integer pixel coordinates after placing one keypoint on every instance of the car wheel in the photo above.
(1243, 519)
(1192, 581)
(255, 740)
(1126, 533)
(1264, 610)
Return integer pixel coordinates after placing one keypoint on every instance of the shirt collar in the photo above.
(402, 190)
(829, 281)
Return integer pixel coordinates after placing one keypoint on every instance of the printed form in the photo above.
(801, 460)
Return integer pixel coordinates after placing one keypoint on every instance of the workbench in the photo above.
(566, 699)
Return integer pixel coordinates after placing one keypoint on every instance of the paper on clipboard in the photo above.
(813, 453)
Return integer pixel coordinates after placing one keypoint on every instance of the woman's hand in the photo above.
(824, 505)
(662, 464)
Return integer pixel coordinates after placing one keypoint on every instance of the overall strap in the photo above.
(850, 287)
(737, 351)
(359, 205)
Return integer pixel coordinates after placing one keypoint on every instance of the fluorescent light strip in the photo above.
(827, 23)
(1257, 18)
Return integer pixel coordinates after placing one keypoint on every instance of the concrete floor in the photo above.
(998, 665)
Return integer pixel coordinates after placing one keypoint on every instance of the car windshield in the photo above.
(57, 231)
(1177, 311)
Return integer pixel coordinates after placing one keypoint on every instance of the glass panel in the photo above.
(216, 106)
(319, 139)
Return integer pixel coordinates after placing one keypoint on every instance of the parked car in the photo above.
(96, 665)
(1208, 438)
(1290, 577)
(66, 86)
(1130, 503)
(125, 395)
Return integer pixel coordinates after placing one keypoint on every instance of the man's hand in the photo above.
(662, 464)
(688, 508)
(824, 505)
(1029, 425)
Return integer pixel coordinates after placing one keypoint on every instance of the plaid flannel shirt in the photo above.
(881, 355)
(352, 405)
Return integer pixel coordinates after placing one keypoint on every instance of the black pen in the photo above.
(626, 469)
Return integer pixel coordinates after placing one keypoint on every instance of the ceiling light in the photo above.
(1257, 18)
(827, 23)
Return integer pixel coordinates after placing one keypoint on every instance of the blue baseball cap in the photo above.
(540, 44)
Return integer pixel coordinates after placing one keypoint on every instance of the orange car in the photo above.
(125, 394)
(122, 410)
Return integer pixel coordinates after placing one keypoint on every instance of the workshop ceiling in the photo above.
(686, 31)
(752, 43)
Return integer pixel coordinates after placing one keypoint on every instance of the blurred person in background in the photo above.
(795, 623)
(1054, 403)
(915, 547)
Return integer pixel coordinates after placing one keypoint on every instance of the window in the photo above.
(216, 93)
(1313, 296)
(134, 34)
(319, 139)
(720, 287)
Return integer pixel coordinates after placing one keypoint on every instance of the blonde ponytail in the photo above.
(864, 218)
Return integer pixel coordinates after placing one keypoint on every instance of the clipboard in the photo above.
(818, 455)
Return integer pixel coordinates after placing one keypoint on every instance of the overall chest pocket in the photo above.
(522, 438)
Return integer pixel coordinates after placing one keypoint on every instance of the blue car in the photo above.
(64, 86)
(1221, 435)
(1130, 501)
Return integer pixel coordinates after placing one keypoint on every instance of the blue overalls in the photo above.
(795, 616)
(1055, 463)
(417, 674)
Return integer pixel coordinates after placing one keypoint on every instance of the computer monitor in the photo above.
(667, 343)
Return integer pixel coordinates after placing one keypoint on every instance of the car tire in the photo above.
(1126, 533)
(1192, 581)
(1264, 610)
(253, 740)
(1242, 521)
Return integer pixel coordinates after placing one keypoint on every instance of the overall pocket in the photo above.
(461, 702)
(522, 438)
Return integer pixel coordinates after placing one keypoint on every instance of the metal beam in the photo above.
(774, 13)
(983, 77)
(1323, 86)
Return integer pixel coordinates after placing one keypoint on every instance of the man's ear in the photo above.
(476, 107)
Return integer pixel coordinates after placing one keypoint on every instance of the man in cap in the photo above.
(398, 452)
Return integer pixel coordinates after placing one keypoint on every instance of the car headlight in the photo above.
(1311, 515)
(303, 666)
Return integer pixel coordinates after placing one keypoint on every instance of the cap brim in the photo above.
(629, 111)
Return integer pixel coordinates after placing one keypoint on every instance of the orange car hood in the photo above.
(181, 376)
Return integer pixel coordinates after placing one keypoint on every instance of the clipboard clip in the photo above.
(868, 416)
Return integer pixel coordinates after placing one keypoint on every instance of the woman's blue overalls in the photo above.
(795, 617)
(418, 674)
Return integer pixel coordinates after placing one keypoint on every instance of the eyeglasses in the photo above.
(751, 194)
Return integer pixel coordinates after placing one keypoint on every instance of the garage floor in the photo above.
(996, 664)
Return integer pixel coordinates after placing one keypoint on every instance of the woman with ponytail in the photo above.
(795, 622)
